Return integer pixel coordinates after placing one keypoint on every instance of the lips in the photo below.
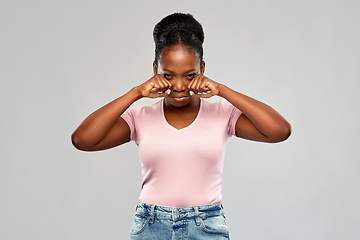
(179, 98)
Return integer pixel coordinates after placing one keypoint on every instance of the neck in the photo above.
(193, 105)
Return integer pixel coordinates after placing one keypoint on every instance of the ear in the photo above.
(202, 67)
(155, 67)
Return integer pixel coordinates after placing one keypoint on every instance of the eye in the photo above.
(191, 75)
(167, 76)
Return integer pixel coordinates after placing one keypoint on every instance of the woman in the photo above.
(181, 137)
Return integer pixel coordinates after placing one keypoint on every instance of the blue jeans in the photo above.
(167, 223)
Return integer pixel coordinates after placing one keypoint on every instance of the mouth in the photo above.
(180, 98)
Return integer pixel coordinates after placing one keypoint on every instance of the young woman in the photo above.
(181, 137)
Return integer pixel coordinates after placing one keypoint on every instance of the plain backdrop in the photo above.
(62, 60)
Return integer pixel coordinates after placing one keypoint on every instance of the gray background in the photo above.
(61, 60)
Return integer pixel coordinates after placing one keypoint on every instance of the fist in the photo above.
(203, 87)
(156, 86)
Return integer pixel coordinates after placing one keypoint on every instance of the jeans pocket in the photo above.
(139, 224)
(215, 225)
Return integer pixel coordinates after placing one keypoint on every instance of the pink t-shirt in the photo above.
(182, 168)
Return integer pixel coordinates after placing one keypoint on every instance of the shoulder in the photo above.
(156, 107)
(219, 106)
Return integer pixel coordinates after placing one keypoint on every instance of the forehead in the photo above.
(179, 58)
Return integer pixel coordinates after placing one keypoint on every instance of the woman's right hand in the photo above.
(156, 86)
(104, 128)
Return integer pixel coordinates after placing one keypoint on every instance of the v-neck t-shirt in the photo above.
(182, 167)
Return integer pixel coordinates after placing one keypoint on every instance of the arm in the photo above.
(104, 128)
(259, 122)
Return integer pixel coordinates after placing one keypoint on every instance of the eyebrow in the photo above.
(173, 72)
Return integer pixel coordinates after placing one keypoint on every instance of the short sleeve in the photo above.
(232, 114)
(129, 117)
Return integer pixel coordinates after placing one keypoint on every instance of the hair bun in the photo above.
(177, 22)
(178, 28)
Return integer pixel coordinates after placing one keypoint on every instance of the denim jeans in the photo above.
(155, 222)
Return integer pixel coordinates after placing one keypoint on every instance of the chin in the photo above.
(178, 104)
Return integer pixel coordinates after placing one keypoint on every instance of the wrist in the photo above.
(137, 92)
(222, 90)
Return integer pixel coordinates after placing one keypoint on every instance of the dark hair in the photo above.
(178, 28)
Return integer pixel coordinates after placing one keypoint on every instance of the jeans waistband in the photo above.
(177, 213)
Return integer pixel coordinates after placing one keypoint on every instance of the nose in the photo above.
(179, 85)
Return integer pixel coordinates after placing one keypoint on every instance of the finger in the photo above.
(203, 85)
(192, 86)
(193, 82)
(203, 95)
(198, 85)
(167, 84)
(159, 86)
(207, 95)
(191, 93)
(157, 94)
(195, 95)
(162, 94)
(159, 83)
(154, 87)
(166, 81)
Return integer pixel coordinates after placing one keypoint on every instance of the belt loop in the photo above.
(151, 220)
(173, 213)
(197, 217)
(222, 209)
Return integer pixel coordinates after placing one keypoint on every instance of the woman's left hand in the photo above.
(203, 87)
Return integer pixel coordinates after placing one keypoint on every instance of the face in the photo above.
(179, 65)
